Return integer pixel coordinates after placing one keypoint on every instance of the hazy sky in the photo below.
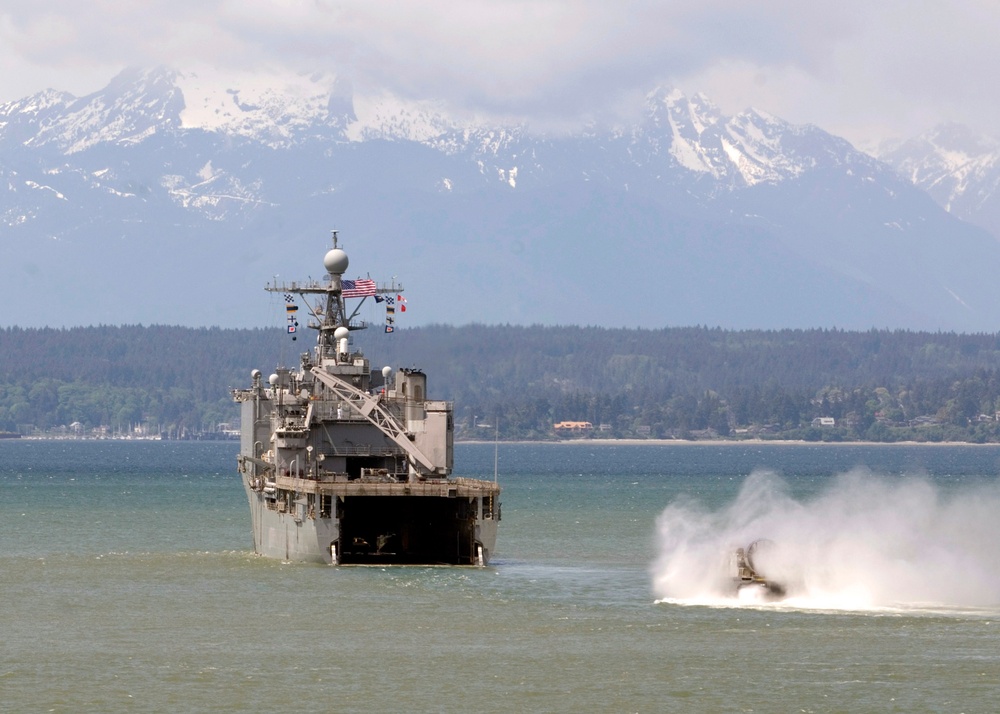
(862, 69)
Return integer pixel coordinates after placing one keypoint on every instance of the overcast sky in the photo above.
(862, 69)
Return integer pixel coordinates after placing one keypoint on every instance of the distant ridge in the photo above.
(170, 197)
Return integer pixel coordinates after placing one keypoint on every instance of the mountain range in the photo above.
(172, 197)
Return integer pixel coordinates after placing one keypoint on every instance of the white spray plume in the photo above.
(864, 542)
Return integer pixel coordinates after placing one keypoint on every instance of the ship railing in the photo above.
(477, 484)
(332, 477)
(306, 484)
(298, 286)
(341, 410)
(317, 286)
(362, 450)
(330, 411)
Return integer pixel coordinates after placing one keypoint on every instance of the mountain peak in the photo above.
(36, 103)
(136, 104)
(274, 108)
(958, 167)
(957, 137)
(948, 147)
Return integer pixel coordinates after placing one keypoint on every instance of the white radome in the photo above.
(335, 261)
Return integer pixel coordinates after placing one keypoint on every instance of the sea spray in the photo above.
(866, 541)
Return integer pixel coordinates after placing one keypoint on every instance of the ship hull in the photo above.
(448, 523)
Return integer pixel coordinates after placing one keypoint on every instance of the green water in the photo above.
(127, 584)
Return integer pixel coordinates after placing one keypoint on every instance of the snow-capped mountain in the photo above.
(959, 168)
(747, 149)
(173, 196)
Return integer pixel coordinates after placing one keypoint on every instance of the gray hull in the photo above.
(455, 527)
(283, 536)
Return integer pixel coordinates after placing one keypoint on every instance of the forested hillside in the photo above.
(169, 379)
(675, 382)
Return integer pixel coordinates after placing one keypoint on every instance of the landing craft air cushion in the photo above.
(748, 576)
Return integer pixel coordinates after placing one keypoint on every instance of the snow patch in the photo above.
(955, 296)
(385, 116)
(38, 186)
(206, 173)
(508, 176)
(732, 152)
(272, 107)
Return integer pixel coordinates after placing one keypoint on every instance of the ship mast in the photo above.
(330, 312)
(334, 314)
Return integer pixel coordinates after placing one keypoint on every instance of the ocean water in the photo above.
(127, 584)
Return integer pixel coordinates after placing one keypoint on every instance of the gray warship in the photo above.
(346, 466)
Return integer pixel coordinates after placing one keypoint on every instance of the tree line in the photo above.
(691, 382)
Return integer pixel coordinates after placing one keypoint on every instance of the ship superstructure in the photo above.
(345, 466)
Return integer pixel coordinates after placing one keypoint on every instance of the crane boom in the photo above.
(368, 407)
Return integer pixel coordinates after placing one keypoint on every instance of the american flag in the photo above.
(358, 288)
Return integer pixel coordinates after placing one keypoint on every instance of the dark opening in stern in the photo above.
(407, 530)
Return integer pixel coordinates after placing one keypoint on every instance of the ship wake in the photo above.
(864, 543)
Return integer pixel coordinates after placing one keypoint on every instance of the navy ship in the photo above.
(348, 466)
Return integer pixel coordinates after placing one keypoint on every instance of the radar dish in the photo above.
(341, 332)
(335, 262)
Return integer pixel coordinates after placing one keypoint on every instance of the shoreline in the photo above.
(574, 442)
(727, 442)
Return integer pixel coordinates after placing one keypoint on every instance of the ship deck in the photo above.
(438, 488)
